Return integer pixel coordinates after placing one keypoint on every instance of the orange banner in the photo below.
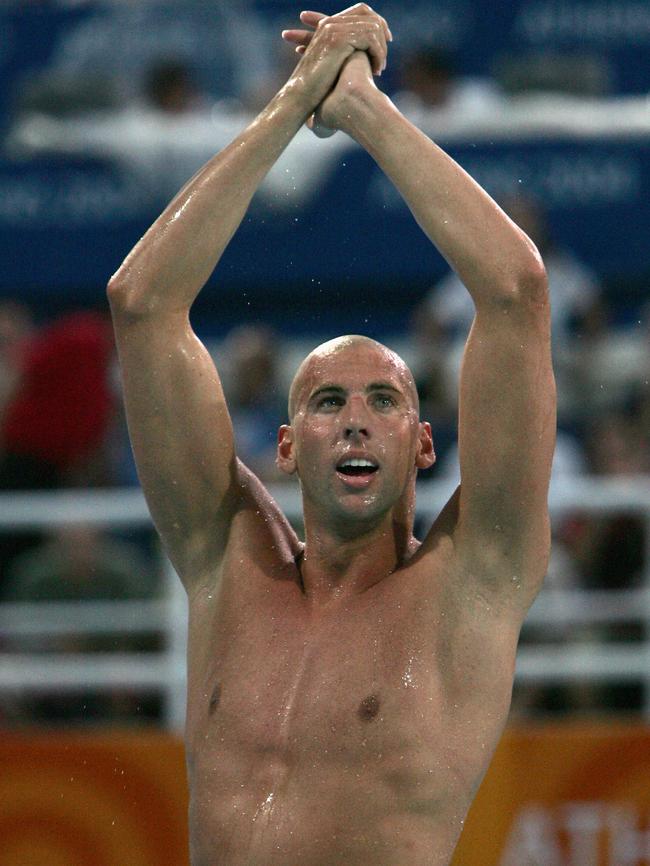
(92, 800)
(565, 795)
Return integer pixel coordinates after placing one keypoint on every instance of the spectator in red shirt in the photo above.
(54, 425)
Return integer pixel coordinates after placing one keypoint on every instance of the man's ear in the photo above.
(285, 458)
(425, 455)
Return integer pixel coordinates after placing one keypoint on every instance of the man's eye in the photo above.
(384, 401)
(328, 402)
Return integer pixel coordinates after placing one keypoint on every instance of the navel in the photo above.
(214, 700)
(368, 708)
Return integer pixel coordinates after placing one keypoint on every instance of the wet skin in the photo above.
(354, 397)
(342, 715)
(343, 704)
(355, 736)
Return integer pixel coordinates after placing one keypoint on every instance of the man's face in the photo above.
(356, 439)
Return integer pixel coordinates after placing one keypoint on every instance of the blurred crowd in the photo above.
(162, 110)
(62, 427)
(62, 424)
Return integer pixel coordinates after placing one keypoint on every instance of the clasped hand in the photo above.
(355, 40)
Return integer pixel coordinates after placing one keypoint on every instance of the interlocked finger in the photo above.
(361, 32)
(365, 9)
(357, 19)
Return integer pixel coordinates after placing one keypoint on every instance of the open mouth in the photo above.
(357, 468)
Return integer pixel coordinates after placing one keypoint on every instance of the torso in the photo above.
(357, 737)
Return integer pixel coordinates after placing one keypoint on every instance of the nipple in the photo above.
(368, 708)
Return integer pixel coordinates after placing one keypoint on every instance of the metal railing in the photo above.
(164, 671)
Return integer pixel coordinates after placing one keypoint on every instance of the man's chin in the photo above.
(357, 511)
(347, 509)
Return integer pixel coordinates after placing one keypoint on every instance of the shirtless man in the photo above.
(345, 696)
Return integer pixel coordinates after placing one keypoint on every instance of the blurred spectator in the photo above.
(618, 444)
(54, 428)
(594, 552)
(604, 553)
(55, 423)
(108, 45)
(569, 459)
(16, 327)
(428, 75)
(437, 404)
(430, 89)
(446, 314)
(609, 550)
(78, 563)
(575, 73)
(255, 397)
(574, 290)
(606, 368)
(65, 96)
(641, 396)
(170, 87)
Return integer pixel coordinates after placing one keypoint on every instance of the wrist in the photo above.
(362, 110)
(303, 91)
(293, 98)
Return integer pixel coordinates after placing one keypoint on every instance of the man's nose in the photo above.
(356, 421)
(356, 432)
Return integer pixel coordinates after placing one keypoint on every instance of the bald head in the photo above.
(317, 366)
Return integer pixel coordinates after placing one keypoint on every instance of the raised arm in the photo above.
(178, 420)
(499, 516)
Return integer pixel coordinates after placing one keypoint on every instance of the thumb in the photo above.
(318, 127)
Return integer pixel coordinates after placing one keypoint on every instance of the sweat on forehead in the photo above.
(310, 368)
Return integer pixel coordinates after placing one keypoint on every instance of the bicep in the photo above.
(181, 434)
(507, 436)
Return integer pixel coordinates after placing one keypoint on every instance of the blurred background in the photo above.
(106, 109)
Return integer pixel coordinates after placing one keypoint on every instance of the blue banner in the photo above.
(65, 225)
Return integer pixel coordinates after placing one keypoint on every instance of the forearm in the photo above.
(491, 255)
(172, 261)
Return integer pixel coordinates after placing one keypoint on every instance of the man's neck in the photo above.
(335, 567)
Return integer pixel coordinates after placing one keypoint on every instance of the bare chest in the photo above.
(268, 679)
(304, 730)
